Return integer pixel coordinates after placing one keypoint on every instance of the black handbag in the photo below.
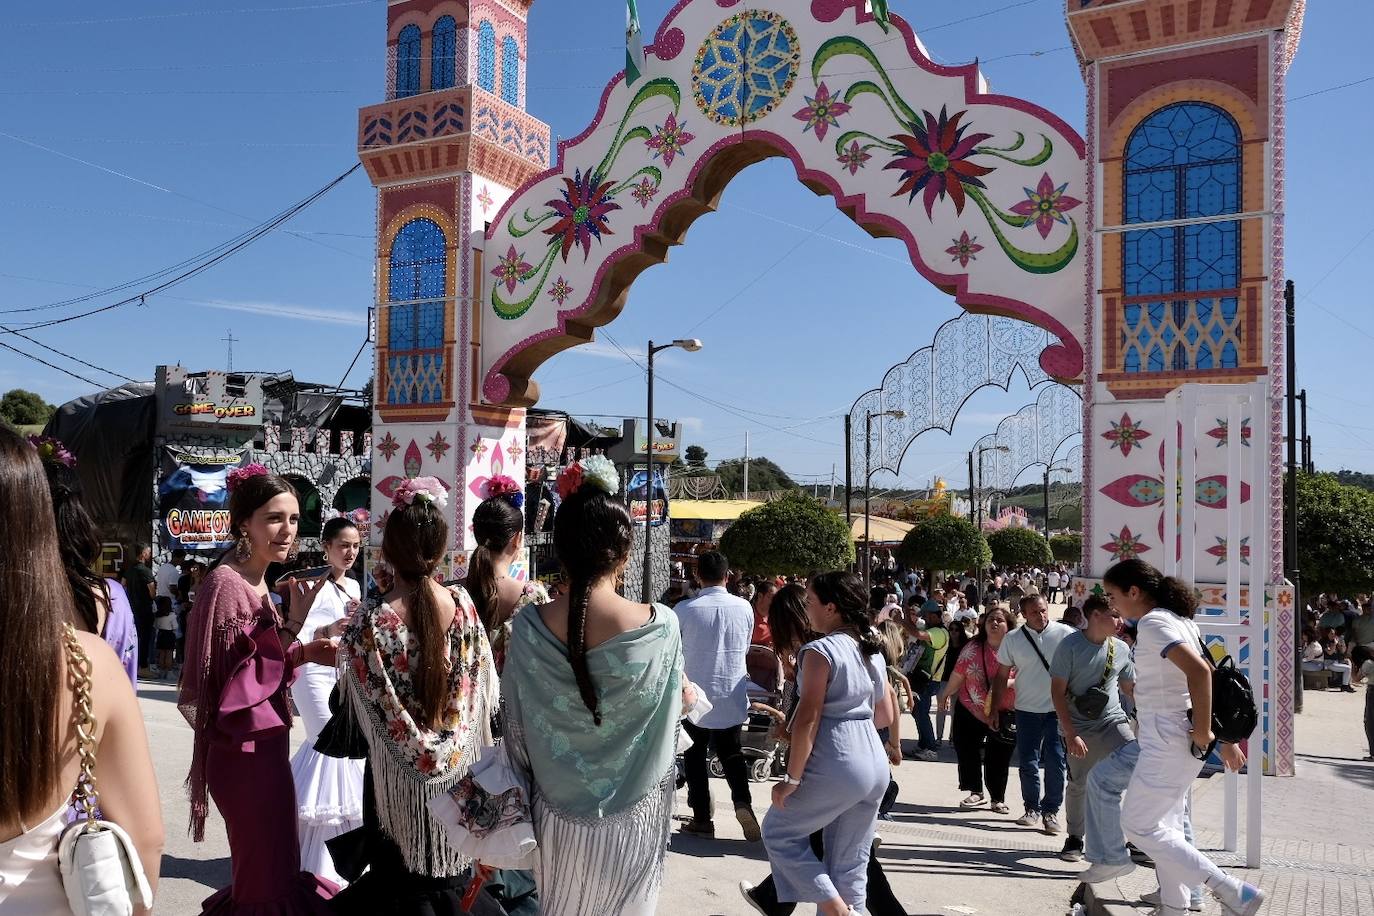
(1006, 727)
(1092, 703)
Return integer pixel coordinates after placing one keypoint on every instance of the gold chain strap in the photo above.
(85, 795)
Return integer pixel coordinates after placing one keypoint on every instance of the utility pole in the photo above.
(230, 340)
(746, 464)
(1304, 440)
(848, 476)
(1290, 494)
(832, 481)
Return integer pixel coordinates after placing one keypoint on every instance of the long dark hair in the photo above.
(495, 524)
(787, 619)
(78, 545)
(247, 497)
(982, 635)
(846, 591)
(413, 543)
(35, 601)
(1163, 591)
(592, 534)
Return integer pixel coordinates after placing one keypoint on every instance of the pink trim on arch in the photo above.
(1064, 361)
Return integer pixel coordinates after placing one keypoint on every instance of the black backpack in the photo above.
(1234, 715)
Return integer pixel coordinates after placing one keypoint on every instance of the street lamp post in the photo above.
(691, 345)
(868, 474)
(1048, 468)
(978, 506)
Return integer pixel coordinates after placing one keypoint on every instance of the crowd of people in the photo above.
(590, 696)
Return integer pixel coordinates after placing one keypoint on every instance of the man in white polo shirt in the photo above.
(1029, 649)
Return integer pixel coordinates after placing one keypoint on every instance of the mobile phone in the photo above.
(314, 573)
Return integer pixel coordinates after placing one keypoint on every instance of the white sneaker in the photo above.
(1029, 819)
(1100, 873)
(1051, 827)
(1152, 898)
(975, 800)
(1238, 898)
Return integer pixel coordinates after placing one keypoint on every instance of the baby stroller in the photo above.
(766, 755)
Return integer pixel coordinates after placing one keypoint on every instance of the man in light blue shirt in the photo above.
(716, 629)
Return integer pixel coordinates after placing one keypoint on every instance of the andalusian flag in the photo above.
(634, 43)
(879, 8)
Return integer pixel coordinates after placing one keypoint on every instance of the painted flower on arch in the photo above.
(934, 160)
(512, 269)
(582, 212)
(645, 192)
(438, 446)
(1125, 435)
(670, 139)
(388, 446)
(560, 291)
(1046, 205)
(822, 110)
(964, 249)
(1126, 546)
(854, 158)
(485, 199)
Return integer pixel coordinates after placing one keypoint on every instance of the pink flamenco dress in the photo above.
(234, 694)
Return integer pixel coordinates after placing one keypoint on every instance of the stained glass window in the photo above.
(444, 47)
(486, 57)
(510, 70)
(408, 62)
(1182, 162)
(416, 287)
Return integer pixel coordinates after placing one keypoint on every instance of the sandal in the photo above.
(975, 800)
(1000, 808)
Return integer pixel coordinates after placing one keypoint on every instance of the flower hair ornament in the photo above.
(52, 452)
(424, 489)
(237, 476)
(506, 488)
(598, 471)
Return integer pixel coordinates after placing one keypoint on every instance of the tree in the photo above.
(792, 536)
(764, 476)
(24, 408)
(1335, 535)
(943, 543)
(1019, 547)
(1067, 548)
(696, 456)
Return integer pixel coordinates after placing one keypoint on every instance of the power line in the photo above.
(39, 359)
(75, 359)
(227, 252)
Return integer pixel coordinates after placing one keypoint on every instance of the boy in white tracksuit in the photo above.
(1172, 678)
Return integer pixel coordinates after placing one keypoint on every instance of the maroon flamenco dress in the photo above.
(234, 693)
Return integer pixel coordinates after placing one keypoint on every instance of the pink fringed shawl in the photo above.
(234, 676)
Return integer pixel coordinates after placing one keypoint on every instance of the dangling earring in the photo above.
(243, 549)
(295, 550)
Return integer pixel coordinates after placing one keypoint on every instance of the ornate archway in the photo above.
(985, 190)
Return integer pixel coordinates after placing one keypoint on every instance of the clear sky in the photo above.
(168, 127)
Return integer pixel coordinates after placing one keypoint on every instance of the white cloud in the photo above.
(289, 311)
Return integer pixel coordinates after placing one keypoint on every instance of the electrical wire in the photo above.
(75, 359)
(39, 359)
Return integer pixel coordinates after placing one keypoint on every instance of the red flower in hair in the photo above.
(570, 480)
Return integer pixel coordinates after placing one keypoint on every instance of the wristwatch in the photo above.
(787, 779)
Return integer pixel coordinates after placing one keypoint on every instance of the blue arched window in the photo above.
(1181, 282)
(510, 70)
(416, 288)
(408, 62)
(443, 48)
(486, 57)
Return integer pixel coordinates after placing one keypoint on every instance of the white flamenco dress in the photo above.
(329, 790)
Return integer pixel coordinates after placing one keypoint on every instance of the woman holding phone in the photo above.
(329, 790)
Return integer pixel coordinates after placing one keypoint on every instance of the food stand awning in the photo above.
(881, 530)
(714, 510)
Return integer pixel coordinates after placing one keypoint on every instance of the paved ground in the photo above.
(1318, 847)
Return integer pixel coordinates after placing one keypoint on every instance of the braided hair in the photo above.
(846, 591)
(495, 524)
(592, 534)
(413, 543)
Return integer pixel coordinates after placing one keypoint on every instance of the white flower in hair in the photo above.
(600, 470)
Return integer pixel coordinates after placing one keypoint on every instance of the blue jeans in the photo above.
(1105, 842)
(925, 731)
(1038, 742)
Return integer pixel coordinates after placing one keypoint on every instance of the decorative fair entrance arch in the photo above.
(986, 190)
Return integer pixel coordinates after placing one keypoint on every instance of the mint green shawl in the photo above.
(583, 771)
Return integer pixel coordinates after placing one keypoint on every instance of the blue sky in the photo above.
(168, 127)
